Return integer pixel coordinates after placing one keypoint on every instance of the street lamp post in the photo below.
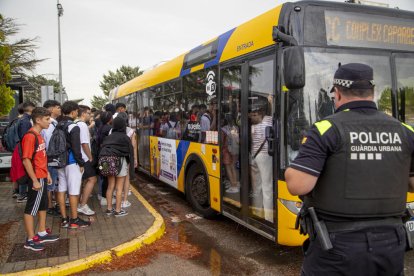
(60, 13)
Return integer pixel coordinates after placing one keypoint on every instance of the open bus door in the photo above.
(247, 114)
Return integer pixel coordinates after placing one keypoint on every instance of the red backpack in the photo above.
(18, 172)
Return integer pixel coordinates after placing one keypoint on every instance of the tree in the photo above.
(112, 80)
(98, 102)
(384, 102)
(22, 57)
(6, 94)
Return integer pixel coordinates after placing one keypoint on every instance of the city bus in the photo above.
(240, 103)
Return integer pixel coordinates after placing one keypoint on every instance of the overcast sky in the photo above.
(102, 35)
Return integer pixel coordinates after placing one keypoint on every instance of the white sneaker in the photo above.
(103, 202)
(232, 190)
(86, 210)
(125, 204)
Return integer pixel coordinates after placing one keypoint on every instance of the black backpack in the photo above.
(57, 150)
(11, 135)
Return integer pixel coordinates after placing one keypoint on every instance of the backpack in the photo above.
(11, 135)
(57, 151)
(109, 165)
(18, 172)
(172, 131)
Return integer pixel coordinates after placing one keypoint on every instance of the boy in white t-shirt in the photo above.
(55, 111)
(89, 175)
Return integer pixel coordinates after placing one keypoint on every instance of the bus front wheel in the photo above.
(197, 191)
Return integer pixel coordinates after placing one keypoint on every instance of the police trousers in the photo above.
(371, 251)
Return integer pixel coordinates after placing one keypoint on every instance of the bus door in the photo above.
(230, 130)
(144, 130)
(247, 91)
(260, 110)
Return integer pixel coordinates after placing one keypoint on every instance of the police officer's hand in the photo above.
(82, 169)
(36, 185)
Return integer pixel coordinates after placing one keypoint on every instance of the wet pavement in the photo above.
(225, 247)
(105, 232)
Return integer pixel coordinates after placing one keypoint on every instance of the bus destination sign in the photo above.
(367, 30)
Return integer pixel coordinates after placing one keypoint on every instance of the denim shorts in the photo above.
(54, 175)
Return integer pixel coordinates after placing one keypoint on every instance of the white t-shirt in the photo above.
(84, 138)
(47, 133)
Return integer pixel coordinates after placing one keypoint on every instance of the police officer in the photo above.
(355, 169)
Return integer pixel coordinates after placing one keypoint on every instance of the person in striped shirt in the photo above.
(261, 161)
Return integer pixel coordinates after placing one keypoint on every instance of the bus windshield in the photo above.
(314, 102)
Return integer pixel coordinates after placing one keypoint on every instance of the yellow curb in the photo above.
(151, 235)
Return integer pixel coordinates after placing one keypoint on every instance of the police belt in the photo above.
(341, 226)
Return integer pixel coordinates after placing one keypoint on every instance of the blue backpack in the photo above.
(11, 135)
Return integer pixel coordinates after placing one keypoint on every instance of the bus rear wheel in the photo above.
(197, 191)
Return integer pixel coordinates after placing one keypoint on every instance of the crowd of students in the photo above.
(50, 185)
(179, 124)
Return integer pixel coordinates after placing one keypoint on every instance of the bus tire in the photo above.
(197, 191)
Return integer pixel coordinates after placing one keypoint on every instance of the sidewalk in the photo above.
(77, 249)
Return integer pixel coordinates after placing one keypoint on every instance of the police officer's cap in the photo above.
(354, 76)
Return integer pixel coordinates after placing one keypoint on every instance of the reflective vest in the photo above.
(367, 176)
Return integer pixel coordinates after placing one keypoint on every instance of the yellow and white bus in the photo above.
(222, 122)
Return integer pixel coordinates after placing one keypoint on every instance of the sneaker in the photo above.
(125, 204)
(21, 199)
(49, 237)
(109, 212)
(232, 190)
(34, 244)
(15, 194)
(129, 192)
(103, 201)
(86, 210)
(120, 213)
(53, 212)
(65, 222)
(78, 223)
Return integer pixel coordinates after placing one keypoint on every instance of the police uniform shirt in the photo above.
(316, 147)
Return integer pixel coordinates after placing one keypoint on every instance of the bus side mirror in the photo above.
(294, 67)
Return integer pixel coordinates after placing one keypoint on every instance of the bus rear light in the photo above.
(293, 206)
(215, 151)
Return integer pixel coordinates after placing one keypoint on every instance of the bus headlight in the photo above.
(293, 206)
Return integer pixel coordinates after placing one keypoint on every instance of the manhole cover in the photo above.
(59, 248)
